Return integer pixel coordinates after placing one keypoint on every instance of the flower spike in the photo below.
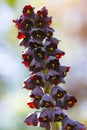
(41, 56)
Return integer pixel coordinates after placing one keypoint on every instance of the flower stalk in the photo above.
(41, 56)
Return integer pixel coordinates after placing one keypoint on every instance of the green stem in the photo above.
(56, 126)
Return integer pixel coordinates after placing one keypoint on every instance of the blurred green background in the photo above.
(70, 24)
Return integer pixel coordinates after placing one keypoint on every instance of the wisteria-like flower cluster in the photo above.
(41, 56)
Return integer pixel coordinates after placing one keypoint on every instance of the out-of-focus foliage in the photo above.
(70, 23)
(11, 2)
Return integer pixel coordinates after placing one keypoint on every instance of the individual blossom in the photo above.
(52, 63)
(31, 119)
(68, 101)
(37, 93)
(50, 45)
(42, 23)
(34, 80)
(18, 21)
(42, 13)
(57, 114)
(39, 54)
(49, 32)
(79, 126)
(33, 43)
(57, 92)
(63, 70)
(28, 11)
(36, 66)
(54, 77)
(24, 36)
(68, 124)
(28, 84)
(58, 53)
(47, 101)
(27, 57)
(45, 115)
(45, 118)
(38, 33)
(26, 25)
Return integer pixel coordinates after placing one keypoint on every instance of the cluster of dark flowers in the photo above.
(41, 57)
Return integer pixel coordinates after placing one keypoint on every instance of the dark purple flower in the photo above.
(37, 93)
(57, 92)
(34, 44)
(39, 54)
(47, 101)
(57, 114)
(34, 80)
(27, 57)
(59, 103)
(37, 79)
(43, 23)
(28, 84)
(35, 66)
(18, 21)
(68, 101)
(50, 45)
(38, 33)
(45, 115)
(31, 119)
(79, 126)
(58, 53)
(54, 77)
(26, 25)
(49, 32)
(52, 63)
(63, 71)
(28, 11)
(24, 42)
(45, 118)
(42, 13)
(68, 124)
